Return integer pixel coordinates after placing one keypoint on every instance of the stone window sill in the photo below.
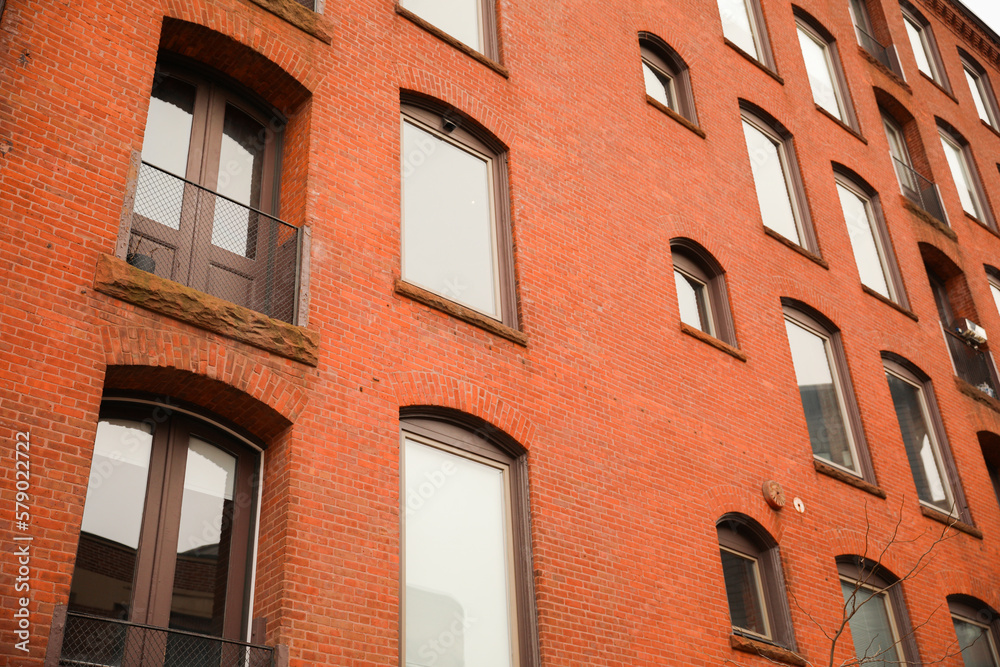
(847, 478)
(975, 394)
(769, 651)
(459, 311)
(676, 116)
(118, 279)
(808, 254)
(929, 219)
(307, 21)
(713, 341)
(764, 68)
(885, 70)
(951, 521)
(889, 302)
(857, 135)
(451, 41)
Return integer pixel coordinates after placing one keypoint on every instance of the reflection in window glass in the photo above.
(819, 69)
(978, 96)
(448, 236)
(458, 18)
(241, 169)
(659, 85)
(871, 625)
(861, 228)
(456, 560)
(919, 46)
(921, 449)
(743, 590)
(962, 176)
(737, 25)
(995, 291)
(692, 297)
(165, 144)
(770, 182)
(828, 431)
(976, 643)
(112, 519)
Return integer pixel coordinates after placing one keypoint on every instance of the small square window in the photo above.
(701, 290)
(666, 76)
(456, 239)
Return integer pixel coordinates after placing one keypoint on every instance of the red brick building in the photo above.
(491, 333)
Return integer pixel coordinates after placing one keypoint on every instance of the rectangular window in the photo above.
(873, 627)
(770, 162)
(976, 643)
(979, 96)
(925, 51)
(822, 73)
(964, 177)
(920, 441)
(871, 251)
(471, 22)
(821, 393)
(744, 592)
(742, 24)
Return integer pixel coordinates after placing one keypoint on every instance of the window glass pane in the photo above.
(744, 593)
(447, 221)
(112, 519)
(658, 85)
(818, 68)
(769, 181)
(737, 25)
(860, 227)
(977, 96)
(928, 473)
(871, 627)
(820, 401)
(458, 18)
(963, 180)
(241, 169)
(915, 33)
(206, 523)
(456, 561)
(692, 298)
(976, 644)
(860, 15)
(995, 291)
(165, 144)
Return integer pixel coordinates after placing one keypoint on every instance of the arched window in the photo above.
(777, 181)
(666, 76)
(167, 529)
(701, 290)
(755, 585)
(467, 578)
(977, 628)
(869, 236)
(876, 613)
(824, 383)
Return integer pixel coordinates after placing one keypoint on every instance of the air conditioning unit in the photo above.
(972, 332)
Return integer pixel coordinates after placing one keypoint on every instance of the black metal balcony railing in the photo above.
(202, 239)
(919, 190)
(875, 48)
(92, 641)
(972, 365)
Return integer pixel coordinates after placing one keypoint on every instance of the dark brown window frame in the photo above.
(488, 25)
(852, 181)
(741, 534)
(758, 29)
(463, 433)
(975, 611)
(809, 318)
(691, 258)
(906, 370)
(871, 575)
(794, 185)
(938, 73)
(989, 444)
(842, 90)
(661, 56)
(948, 132)
(156, 556)
(452, 126)
(985, 88)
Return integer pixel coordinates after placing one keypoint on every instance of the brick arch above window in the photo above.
(668, 80)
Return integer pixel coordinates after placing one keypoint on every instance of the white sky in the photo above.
(987, 10)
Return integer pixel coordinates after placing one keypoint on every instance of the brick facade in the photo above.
(639, 436)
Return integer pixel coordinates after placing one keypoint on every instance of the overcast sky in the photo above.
(987, 10)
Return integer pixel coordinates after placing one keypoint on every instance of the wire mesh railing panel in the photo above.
(184, 232)
(919, 190)
(91, 641)
(971, 365)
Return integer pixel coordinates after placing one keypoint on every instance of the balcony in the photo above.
(880, 53)
(92, 641)
(972, 364)
(919, 190)
(186, 233)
